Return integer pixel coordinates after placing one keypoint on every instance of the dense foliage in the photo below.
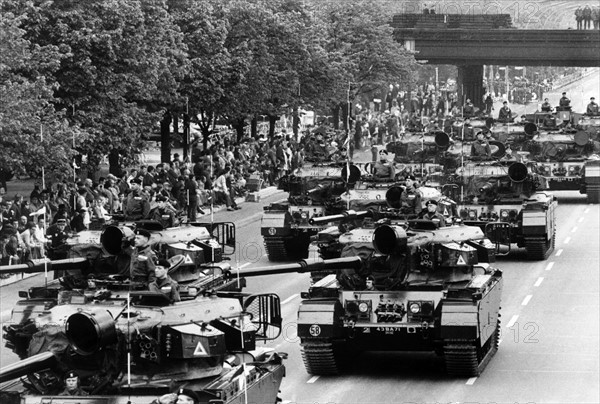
(95, 77)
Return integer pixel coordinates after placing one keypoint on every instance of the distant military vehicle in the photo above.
(505, 199)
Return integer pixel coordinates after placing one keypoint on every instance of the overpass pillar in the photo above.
(470, 84)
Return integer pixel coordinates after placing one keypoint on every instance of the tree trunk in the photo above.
(345, 116)
(272, 121)
(239, 129)
(296, 122)
(165, 137)
(253, 127)
(186, 137)
(335, 112)
(113, 163)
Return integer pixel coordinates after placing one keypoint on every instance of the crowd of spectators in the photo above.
(170, 192)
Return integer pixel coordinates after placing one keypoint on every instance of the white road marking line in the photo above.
(538, 282)
(471, 381)
(313, 379)
(549, 266)
(574, 229)
(244, 265)
(526, 300)
(581, 219)
(586, 210)
(567, 240)
(559, 252)
(512, 321)
(289, 299)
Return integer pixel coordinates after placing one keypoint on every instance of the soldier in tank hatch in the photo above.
(592, 108)
(383, 168)
(505, 113)
(163, 282)
(480, 147)
(143, 259)
(72, 387)
(431, 213)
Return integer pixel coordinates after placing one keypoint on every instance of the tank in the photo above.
(420, 154)
(130, 344)
(313, 192)
(590, 179)
(562, 155)
(434, 290)
(506, 200)
(135, 353)
(101, 273)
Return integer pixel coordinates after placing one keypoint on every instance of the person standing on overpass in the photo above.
(579, 17)
(587, 17)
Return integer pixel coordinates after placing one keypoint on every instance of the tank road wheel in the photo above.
(320, 357)
(538, 248)
(466, 358)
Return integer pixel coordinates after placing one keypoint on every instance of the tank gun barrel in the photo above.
(517, 172)
(349, 214)
(308, 265)
(487, 187)
(32, 364)
(41, 265)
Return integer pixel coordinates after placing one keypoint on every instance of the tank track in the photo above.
(538, 248)
(466, 358)
(286, 248)
(319, 358)
(593, 194)
(276, 250)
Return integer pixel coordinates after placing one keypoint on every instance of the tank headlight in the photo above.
(571, 169)
(472, 214)
(503, 214)
(414, 308)
(363, 307)
(303, 215)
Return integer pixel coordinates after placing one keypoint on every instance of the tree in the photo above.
(123, 60)
(362, 55)
(32, 134)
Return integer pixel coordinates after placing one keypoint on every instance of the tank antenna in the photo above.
(212, 193)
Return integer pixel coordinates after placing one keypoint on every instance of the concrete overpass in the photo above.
(473, 41)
